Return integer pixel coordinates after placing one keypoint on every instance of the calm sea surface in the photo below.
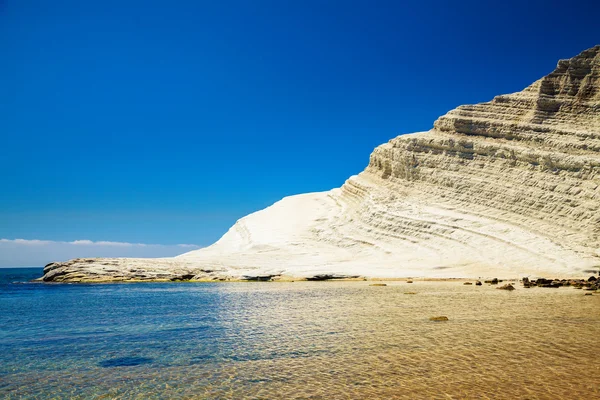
(322, 340)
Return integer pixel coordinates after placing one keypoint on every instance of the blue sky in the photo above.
(164, 122)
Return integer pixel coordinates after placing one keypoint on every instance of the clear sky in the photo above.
(163, 122)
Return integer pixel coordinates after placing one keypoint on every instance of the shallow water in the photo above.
(323, 340)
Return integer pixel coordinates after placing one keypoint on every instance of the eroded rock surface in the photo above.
(504, 188)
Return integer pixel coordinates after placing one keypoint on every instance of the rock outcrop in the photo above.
(504, 188)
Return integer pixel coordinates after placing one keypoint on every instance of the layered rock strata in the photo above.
(506, 188)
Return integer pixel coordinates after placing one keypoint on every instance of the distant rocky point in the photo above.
(507, 188)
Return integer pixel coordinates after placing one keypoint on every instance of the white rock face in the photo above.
(505, 188)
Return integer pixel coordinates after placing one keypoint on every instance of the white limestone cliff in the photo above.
(506, 188)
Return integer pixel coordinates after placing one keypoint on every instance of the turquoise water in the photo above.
(293, 340)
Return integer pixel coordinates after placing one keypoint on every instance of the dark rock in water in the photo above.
(526, 280)
(592, 279)
(492, 281)
(467, 283)
(440, 318)
(378, 284)
(547, 283)
(125, 362)
(478, 283)
(508, 286)
(587, 294)
(409, 281)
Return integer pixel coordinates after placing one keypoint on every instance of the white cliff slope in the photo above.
(510, 187)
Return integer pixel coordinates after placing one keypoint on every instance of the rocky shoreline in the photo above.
(590, 284)
(69, 272)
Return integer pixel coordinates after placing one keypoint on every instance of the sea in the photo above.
(294, 340)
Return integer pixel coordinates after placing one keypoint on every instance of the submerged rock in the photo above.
(125, 362)
(378, 284)
(440, 318)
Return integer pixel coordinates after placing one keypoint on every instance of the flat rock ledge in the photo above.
(126, 270)
(109, 270)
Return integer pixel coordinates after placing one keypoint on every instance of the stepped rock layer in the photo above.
(509, 188)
